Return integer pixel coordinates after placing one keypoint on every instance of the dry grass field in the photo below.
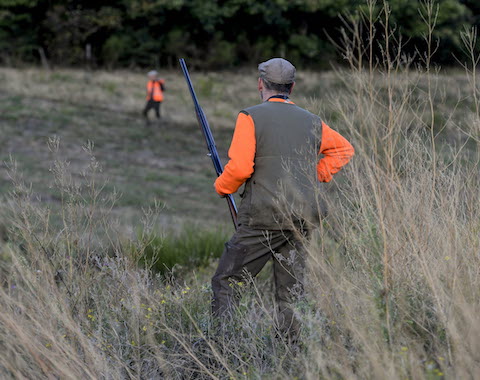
(394, 272)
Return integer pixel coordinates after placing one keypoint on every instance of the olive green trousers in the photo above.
(246, 254)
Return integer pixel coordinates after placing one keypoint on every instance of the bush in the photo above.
(116, 49)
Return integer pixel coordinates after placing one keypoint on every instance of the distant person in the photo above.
(155, 89)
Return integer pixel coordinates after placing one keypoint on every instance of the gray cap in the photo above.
(152, 73)
(277, 70)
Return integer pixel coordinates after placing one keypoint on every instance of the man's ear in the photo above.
(260, 84)
(291, 88)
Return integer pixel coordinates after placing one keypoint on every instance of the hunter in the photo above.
(280, 152)
(155, 89)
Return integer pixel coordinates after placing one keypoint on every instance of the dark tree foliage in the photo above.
(213, 34)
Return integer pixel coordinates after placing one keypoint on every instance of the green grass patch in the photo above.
(192, 246)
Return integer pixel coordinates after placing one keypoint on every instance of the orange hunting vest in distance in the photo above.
(154, 90)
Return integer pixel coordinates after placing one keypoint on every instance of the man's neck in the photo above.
(268, 94)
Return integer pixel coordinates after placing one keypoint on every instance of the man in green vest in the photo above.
(280, 152)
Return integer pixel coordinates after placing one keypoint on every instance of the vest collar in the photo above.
(280, 99)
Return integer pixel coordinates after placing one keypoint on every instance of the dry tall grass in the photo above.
(395, 295)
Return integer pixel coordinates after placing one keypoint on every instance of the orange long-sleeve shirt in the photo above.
(336, 151)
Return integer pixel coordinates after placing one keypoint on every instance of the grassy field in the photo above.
(88, 232)
(167, 164)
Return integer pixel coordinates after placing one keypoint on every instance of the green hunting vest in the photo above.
(283, 192)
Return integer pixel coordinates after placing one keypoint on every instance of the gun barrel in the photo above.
(202, 121)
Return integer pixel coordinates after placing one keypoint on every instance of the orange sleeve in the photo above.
(336, 150)
(242, 157)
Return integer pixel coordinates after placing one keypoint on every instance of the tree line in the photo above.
(213, 34)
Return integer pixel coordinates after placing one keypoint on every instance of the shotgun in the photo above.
(212, 149)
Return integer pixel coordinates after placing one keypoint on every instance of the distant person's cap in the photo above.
(277, 70)
(152, 73)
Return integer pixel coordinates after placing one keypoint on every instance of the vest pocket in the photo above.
(263, 206)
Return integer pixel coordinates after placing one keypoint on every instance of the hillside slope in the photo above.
(167, 163)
